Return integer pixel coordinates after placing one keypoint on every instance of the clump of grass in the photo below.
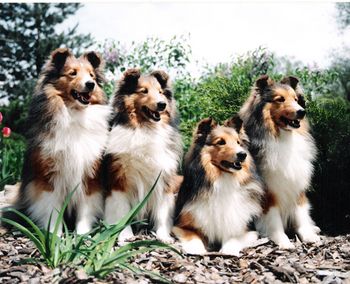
(94, 251)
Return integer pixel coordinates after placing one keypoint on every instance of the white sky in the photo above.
(305, 31)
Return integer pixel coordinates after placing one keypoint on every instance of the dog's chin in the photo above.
(231, 166)
(150, 114)
(290, 123)
(81, 97)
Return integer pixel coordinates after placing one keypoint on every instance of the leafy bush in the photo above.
(330, 120)
(153, 53)
(221, 90)
(11, 159)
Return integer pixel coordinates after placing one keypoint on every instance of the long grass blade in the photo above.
(36, 229)
(27, 233)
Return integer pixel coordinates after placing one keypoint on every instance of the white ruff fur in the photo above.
(287, 170)
(144, 153)
(225, 214)
(78, 141)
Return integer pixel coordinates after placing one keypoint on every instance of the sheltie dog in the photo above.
(280, 141)
(67, 132)
(221, 191)
(144, 142)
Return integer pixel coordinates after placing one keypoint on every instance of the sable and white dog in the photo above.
(280, 141)
(67, 133)
(144, 141)
(221, 192)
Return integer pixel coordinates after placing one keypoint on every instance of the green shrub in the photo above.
(11, 159)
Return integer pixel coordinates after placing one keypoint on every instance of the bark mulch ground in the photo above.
(328, 262)
(265, 263)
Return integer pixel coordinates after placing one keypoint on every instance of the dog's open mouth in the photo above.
(295, 123)
(151, 114)
(229, 165)
(82, 97)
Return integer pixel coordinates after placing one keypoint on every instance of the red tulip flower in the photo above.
(6, 132)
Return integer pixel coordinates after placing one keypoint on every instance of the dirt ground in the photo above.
(264, 263)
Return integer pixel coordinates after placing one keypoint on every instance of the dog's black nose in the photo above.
(90, 85)
(161, 105)
(301, 113)
(241, 156)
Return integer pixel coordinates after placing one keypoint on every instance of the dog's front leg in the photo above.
(45, 204)
(191, 241)
(116, 207)
(305, 227)
(88, 209)
(163, 214)
(274, 228)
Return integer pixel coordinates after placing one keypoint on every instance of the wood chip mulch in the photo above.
(328, 262)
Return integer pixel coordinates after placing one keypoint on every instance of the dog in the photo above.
(221, 192)
(281, 143)
(66, 136)
(144, 142)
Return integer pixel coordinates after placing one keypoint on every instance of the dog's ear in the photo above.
(301, 101)
(59, 57)
(234, 122)
(263, 82)
(162, 77)
(94, 58)
(294, 83)
(128, 83)
(291, 81)
(204, 127)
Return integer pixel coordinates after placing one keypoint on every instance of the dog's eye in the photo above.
(239, 143)
(92, 75)
(73, 73)
(280, 99)
(144, 91)
(221, 142)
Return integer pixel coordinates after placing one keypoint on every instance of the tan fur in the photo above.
(302, 199)
(174, 185)
(117, 175)
(186, 229)
(269, 201)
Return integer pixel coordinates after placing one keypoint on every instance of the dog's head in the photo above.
(285, 103)
(147, 97)
(77, 80)
(224, 146)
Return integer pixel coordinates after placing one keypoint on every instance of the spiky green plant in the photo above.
(94, 251)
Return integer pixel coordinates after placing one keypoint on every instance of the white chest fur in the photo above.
(225, 213)
(77, 141)
(287, 165)
(145, 152)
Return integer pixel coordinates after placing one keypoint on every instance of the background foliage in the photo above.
(218, 92)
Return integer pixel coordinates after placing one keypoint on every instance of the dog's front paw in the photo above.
(309, 234)
(235, 245)
(125, 235)
(83, 228)
(164, 236)
(250, 238)
(282, 241)
(194, 246)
